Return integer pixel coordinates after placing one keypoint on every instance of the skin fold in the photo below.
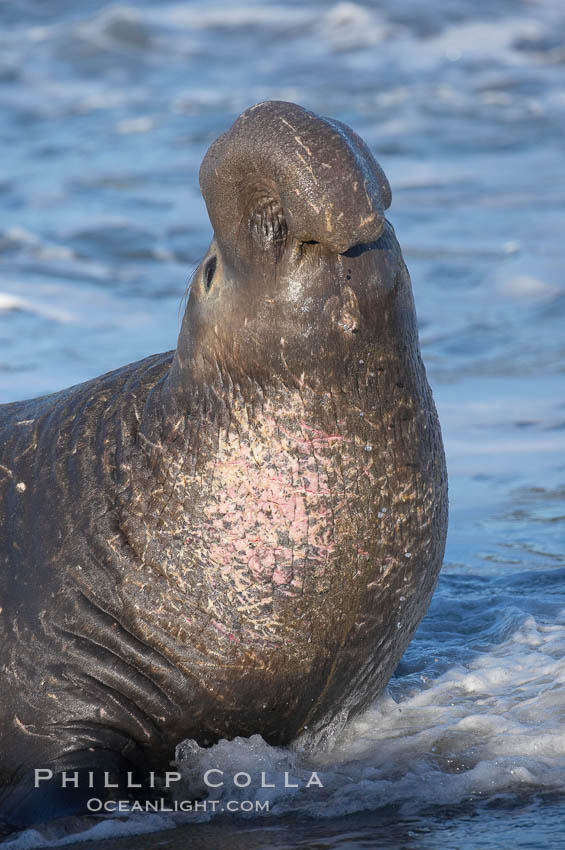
(239, 536)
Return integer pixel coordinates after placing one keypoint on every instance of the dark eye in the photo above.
(209, 272)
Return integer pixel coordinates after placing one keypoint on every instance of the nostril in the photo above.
(360, 248)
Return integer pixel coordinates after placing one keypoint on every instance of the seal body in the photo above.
(242, 535)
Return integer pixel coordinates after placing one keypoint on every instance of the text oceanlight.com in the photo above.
(98, 806)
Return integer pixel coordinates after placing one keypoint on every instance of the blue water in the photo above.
(105, 114)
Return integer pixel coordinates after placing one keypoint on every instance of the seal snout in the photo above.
(282, 173)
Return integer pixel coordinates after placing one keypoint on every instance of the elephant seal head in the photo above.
(296, 281)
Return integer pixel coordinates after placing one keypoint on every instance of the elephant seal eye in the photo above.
(209, 272)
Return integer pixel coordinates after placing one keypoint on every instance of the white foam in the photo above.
(119, 25)
(10, 302)
(202, 16)
(472, 38)
(141, 124)
(488, 727)
(349, 26)
(109, 827)
(527, 286)
(18, 238)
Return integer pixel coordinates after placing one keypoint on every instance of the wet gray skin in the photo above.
(240, 536)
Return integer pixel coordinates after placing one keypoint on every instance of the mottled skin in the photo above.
(240, 536)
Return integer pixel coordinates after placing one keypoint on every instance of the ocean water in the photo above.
(106, 112)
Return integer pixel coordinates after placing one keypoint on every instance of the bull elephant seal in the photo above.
(239, 536)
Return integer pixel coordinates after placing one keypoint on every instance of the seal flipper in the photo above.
(65, 791)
